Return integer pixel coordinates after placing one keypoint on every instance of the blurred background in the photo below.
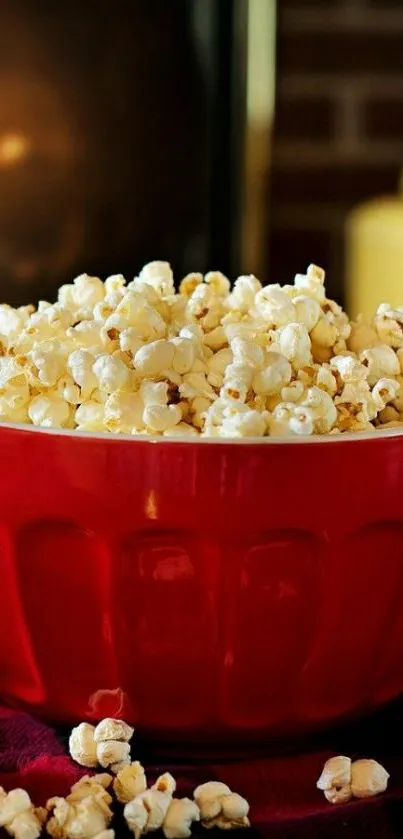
(235, 134)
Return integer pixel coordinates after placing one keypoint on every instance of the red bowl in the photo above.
(227, 591)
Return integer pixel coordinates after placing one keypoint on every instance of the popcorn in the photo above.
(381, 362)
(140, 358)
(82, 746)
(275, 375)
(219, 807)
(335, 780)
(182, 812)
(342, 780)
(19, 816)
(154, 358)
(274, 305)
(368, 778)
(146, 813)
(107, 744)
(312, 283)
(49, 411)
(111, 373)
(307, 311)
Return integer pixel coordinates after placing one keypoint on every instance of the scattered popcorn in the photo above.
(130, 781)
(342, 779)
(85, 813)
(182, 812)
(146, 813)
(139, 358)
(107, 744)
(18, 815)
(111, 729)
(335, 780)
(219, 807)
(82, 745)
(368, 778)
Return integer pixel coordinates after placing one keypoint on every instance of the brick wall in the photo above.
(338, 135)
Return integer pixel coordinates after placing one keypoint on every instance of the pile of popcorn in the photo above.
(86, 812)
(210, 360)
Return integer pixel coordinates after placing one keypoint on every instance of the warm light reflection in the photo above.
(14, 148)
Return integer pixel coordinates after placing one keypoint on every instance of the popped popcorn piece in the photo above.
(295, 344)
(243, 294)
(382, 362)
(388, 324)
(111, 373)
(275, 375)
(368, 778)
(335, 780)
(307, 311)
(273, 304)
(91, 785)
(312, 283)
(146, 813)
(182, 812)
(49, 411)
(80, 363)
(130, 781)
(82, 746)
(19, 816)
(86, 819)
(152, 359)
(111, 752)
(220, 807)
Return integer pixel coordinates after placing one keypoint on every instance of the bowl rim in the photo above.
(110, 437)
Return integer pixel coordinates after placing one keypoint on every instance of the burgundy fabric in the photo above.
(284, 801)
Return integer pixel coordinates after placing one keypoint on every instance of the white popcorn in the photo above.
(90, 416)
(154, 358)
(322, 409)
(384, 391)
(123, 413)
(165, 783)
(218, 282)
(349, 368)
(81, 297)
(274, 305)
(113, 729)
(312, 283)
(295, 344)
(219, 807)
(49, 357)
(184, 354)
(381, 361)
(388, 324)
(80, 364)
(159, 276)
(85, 819)
(161, 417)
(335, 780)
(306, 311)
(11, 324)
(146, 813)
(18, 815)
(49, 411)
(130, 781)
(243, 294)
(182, 812)
(82, 745)
(111, 373)
(275, 375)
(247, 352)
(368, 778)
(143, 359)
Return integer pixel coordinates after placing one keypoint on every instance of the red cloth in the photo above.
(284, 800)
